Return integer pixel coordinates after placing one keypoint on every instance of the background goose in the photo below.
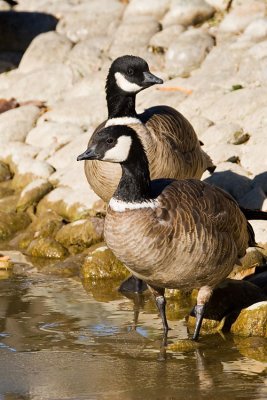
(170, 233)
(171, 144)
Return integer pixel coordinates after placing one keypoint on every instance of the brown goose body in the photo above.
(192, 238)
(172, 148)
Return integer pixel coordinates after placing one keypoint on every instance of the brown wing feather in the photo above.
(172, 148)
(193, 238)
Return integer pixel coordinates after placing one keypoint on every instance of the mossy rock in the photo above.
(252, 347)
(22, 240)
(101, 264)
(47, 225)
(183, 345)
(239, 137)
(33, 193)
(46, 247)
(5, 263)
(6, 189)
(69, 267)
(5, 173)
(9, 203)
(12, 222)
(252, 321)
(82, 233)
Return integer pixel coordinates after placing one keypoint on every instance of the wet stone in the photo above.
(33, 193)
(101, 264)
(252, 347)
(46, 247)
(11, 222)
(252, 321)
(82, 233)
(183, 345)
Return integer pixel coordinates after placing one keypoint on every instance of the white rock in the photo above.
(71, 175)
(92, 18)
(188, 52)
(16, 149)
(256, 30)
(16, 123)
(45, 84)
(219, 5)
(53, 133)
(82, 111)
(45, 49)
(260, 230)
(69, 153)
(27, 170)
(220, 133)
(163, 39)
(4, 6)
(200, 124)
(241, 16)
(222, 152)
(187, 12)
(154, 8)
(70, 204)
(87, 56)
(127, 41)
(236, 105)
(253, 160)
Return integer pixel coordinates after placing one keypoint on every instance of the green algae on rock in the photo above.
(46, 247)
(101, 264)
(252, 321)
(9, 203)
(11, 222)
(183, 345)
(33, 193)
(82, 233)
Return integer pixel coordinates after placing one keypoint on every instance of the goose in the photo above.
(171, 144)
(182, 234)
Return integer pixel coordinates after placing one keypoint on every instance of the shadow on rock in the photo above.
(17, 30)
(249, 193)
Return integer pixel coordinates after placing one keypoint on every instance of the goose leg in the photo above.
(203, 297)
(160, 300)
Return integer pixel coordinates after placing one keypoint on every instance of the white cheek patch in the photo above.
(125, 85)
(120, 151)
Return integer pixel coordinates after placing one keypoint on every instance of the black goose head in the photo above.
(130, 74)
(114, 144)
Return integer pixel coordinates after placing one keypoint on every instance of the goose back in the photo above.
(172, 148)
(191, 238)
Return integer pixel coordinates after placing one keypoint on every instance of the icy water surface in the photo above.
(59, 342)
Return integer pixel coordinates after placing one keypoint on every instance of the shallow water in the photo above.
(57, 341)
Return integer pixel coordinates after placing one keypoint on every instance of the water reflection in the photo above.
(58, 342)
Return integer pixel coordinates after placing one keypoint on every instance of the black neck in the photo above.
(134, 185)
(120, 103)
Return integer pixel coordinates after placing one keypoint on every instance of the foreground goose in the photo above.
(181, 234)
(171, 144)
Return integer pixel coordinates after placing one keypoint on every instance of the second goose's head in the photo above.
(116, 144)
(130, 74)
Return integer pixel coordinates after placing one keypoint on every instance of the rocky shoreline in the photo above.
(212, 56)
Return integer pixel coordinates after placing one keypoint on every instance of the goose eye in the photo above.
(130, 71)
(110, 140)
